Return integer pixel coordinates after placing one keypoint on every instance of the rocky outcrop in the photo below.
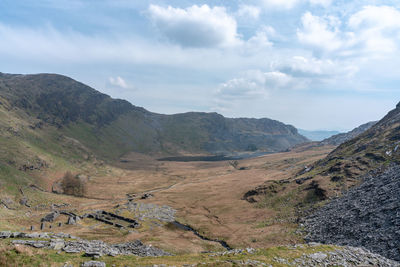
(342, 256)
(36, 164)
(145, 211)
(367, 216)
(92, 248)
(50, 217)
(93, 264)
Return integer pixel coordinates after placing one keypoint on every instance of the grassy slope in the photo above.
(21, 145)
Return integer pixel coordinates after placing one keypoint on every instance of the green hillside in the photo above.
(111, 127)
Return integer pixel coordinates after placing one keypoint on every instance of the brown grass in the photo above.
(206, 195)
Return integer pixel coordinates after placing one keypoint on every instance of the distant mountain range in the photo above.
(317, 135)
(112, 127)
(340, 138)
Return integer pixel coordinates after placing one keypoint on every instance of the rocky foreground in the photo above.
(367, 216)
(312, 254)
(92, 248)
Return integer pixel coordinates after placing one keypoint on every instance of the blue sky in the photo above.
(316, 64)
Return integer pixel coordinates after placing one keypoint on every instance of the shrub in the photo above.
(73, 185)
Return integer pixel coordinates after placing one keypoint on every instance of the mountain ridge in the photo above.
(79, 110)
(340, 138)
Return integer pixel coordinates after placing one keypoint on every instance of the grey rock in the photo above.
(50, 217)
(24, 202)
(71, 221)
(92, 248)
(93, 264)
(343, 256)
(57, 244)
(366, 216)
(145, 211)
(32, 235)
(5, 234)
(32, 243)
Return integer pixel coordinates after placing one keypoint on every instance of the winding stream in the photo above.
(189, 228)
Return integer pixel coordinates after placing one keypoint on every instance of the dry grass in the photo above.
(206, 195)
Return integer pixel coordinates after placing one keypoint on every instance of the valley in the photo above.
(200, 192)
(87, 177)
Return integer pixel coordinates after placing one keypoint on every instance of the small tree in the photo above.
(234, 163)
(73, 185)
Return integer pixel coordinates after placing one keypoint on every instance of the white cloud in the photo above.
(372, 32)
(314, 68)
(248, 11)
(195, 26)
(377, 28)
(253, 84)
(381, 17)
(321, 33)
(324, 3)
(118, 82)
(280, 4)
(261, 38)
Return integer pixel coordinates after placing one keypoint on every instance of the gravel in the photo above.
(344, 256)
(366, 216)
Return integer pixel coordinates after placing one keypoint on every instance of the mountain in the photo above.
(364, 173)
(112, 127)
(317, 135)
(340, 138)
(377, 147)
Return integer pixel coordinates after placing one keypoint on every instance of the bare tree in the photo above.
(73, 185)
(234, 163)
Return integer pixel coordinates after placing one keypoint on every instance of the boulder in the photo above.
(57, 188)
(71, 221)
(93, 264)
(5, 234)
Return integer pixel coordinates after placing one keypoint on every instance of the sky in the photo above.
(315, 64)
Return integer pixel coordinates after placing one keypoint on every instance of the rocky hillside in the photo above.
(340, 138)
(111, 127)
(367, 216)
(376, 147)
(341, 170)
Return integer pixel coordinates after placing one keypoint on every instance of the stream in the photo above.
(189, 228)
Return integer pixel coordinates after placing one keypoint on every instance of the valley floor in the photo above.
(207, 196)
